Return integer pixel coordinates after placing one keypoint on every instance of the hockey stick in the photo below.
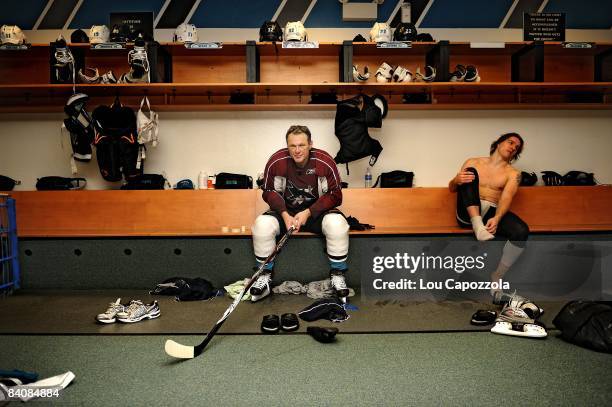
(177, 350)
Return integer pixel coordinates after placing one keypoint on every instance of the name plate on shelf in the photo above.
(579, 45)
(203, 45)
(394, 44)
(300, 44)
(14, 47)
(487, 45)
(108, 45)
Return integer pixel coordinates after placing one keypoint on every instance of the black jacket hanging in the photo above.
(351, 127)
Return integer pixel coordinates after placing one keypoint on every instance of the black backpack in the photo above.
(587, 324)
(116, 142)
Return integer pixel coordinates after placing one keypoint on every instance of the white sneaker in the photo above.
(109, 316)
(137, 311)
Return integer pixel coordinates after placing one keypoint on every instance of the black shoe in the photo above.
(289, 322)
(323, 335)
(483, 317)
(338, 283)
(270, 324)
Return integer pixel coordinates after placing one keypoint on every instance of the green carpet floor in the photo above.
(468, 368)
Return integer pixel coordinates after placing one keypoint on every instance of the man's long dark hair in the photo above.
(505, 137)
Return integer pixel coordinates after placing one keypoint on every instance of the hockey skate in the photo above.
(338, 283)
(63, 62)
(516, 301)
(515, 322)
(139, 64)
(261, 288)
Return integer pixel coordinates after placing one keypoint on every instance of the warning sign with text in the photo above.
(544, 27)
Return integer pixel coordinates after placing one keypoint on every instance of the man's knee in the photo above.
(472, 170)
(265, 225)
(334, 224)
(520, 233)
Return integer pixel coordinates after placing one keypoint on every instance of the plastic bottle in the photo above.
(211, 182)
(202, 180)
(368, 178)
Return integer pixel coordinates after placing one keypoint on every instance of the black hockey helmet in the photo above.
(270, 31)
(79, 37)
(424, 37)
(528, 179)
(120, 33)
(405, 32)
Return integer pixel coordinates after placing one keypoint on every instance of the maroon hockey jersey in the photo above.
(288, 187)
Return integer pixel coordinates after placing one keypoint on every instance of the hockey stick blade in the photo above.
(180, 351)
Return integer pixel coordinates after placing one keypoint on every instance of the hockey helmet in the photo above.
(405, 32)
(98, 34)
(12, 34)
(120, 33)
(295, 31)
(424, 37)
(79, 37)
(270, 31)
(380, 32)
(528, 179)
(186, 33)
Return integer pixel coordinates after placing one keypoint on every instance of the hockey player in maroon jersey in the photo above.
(302, 186)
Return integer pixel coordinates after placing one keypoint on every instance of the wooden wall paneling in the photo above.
(27, 66)
(205, 212)
(572, 68)
(205, 68)
(299, 69)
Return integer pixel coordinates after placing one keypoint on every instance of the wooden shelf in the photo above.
(285, 79)
(278, 96)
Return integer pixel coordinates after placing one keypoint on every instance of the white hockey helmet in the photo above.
(12, 34)
(186, 33)
(99, 34)
(295, 31)
(380, 32)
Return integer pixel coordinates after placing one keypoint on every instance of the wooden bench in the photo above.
(207, 212)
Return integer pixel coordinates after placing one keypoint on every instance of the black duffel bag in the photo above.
(54, 183)
(395, 179)
(7, 184)
(146, 182)
(587, 324)
(225, 180)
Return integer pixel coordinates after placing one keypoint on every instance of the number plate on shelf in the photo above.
(203, 45)
(300, 44)
(13, 47)
(394, 44)
(108, 45)
(578, 45)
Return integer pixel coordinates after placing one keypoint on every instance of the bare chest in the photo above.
(491, 178)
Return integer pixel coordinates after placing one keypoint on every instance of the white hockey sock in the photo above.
(479, 229)
(510, 254)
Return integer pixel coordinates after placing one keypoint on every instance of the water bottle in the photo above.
(202, 180)
(368, 178)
